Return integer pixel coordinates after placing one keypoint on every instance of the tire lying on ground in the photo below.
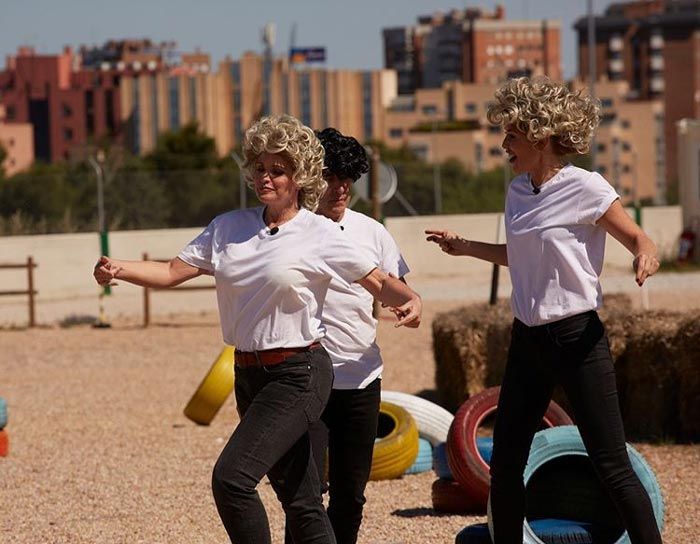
(466, 464)
(433, 420)
(397, 446)
(214, 389)
(4, 443)
(560, 483)
(551, 531)
(3, 413)
(440, 466)
(451, 498)
(424, 459)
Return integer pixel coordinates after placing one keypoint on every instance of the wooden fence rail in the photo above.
(147, 292)
(30, 265)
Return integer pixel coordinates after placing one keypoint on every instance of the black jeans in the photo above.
(575, 353)
(347, 429)
(276, 404)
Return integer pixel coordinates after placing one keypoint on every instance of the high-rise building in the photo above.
(472, 46)
(654, 46)
(17, 140)
(66, 105)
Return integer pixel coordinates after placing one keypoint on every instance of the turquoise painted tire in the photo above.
(440, 466)
(424, 460)
(3, 413)
(558, 443)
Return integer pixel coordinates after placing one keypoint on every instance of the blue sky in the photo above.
(349, 29)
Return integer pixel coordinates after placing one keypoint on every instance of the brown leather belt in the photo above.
(269, 357)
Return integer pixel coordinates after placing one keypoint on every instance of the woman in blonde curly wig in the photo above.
(273, 265)
(286, 136)
(557, 217)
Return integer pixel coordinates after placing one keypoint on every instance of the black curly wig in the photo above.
(345, 157)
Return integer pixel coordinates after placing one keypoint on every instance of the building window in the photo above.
(66, 110)
(602, 169)
(154, 108)
(173, 103)
(470, 107)
(11, 142)
(305, 94)
(626, 168)
(68, 134)
(494, 129)
(624, 123)
(606, 102)
(367, 103)
(90, 112)
(10, 113)
(324, 99)
(395, 132)
(495, 151)
(626, 146)
(602, 148)
(429, 109)
(193, 99)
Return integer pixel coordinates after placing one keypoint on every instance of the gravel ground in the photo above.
(101, 453)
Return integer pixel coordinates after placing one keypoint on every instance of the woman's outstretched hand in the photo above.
(450, 242)
(106, 271)
(644, 266)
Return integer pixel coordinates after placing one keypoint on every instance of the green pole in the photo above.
(104, 250)
(637, 214)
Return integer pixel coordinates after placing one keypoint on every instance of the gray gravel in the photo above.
(101, 453)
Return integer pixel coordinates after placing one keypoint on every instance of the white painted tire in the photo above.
(433, 421)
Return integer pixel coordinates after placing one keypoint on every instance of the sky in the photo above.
(351, 30)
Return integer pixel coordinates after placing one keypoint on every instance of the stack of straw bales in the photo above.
(656, 354)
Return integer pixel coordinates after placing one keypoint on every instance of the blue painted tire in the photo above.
(559, 442)
(474, 534)
(3, 413)
(424, 460)
(440, 466)
(484, 446)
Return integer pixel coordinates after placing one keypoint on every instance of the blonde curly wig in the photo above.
(287, 136)
(542, 108)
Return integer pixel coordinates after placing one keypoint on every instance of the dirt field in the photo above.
(101, 453)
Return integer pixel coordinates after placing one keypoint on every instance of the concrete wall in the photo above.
(65, 262)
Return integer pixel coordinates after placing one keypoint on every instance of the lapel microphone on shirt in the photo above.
(535, 190)
(275, 230)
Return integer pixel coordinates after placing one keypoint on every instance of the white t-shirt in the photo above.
(555, 249)
(271, 287)
(351, 330)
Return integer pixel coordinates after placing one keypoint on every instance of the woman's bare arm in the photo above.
(158, 275)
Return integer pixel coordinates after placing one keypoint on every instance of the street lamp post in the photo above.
(96, 164)
(437, 181)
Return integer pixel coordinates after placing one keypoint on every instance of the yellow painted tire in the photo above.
(397, 446)
(214, 389)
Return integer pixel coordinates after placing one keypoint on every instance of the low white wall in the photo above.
(65, 262)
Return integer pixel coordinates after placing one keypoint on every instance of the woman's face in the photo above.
(272, 177)
(522, 154)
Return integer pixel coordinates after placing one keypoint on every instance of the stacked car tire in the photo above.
(4, 438)
(462, 463)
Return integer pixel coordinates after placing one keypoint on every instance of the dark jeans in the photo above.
(575, 353)
(347, 428)
(276, 405)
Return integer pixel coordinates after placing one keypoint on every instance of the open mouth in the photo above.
(512, 158)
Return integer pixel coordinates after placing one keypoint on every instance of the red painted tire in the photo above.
(4, 443)
(466, 464)
(450, 497)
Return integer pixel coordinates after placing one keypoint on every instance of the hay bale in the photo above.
(688, 344)
(656, 355)
(647, 371)
(461, 352)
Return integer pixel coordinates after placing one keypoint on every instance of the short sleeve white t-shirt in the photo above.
(351, 330)
(271, 287)
(555, 249)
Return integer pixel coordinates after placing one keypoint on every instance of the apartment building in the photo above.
(471, 46)
(654, 46)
